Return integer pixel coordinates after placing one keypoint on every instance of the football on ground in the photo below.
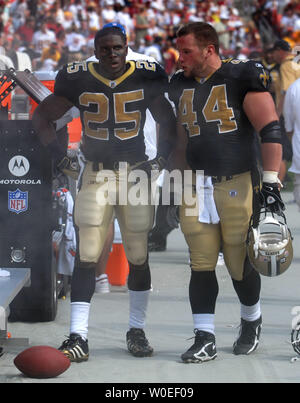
(41, 362)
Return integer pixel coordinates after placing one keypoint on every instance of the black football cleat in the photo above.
(75, 348)
(137, 343)
(204, 348)
(248, 338)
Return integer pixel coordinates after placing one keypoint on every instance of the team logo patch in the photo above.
(264, 77)
(17, 201)
(232, 193)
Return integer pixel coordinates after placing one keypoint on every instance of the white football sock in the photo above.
(138, 301)
(250, 313)
(205, 322)
(80, 318)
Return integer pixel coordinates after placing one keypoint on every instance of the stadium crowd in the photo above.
(53, 32)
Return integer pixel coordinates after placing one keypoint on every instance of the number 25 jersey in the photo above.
(112, 112)
(220, 136)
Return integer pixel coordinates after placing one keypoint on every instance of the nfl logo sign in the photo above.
(17, 201)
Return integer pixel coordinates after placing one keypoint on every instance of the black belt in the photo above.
(219, 178)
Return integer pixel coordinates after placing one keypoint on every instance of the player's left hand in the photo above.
(271, 198)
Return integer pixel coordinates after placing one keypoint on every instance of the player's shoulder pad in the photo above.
(249, 70)
(177, 76)
(73, 69)
(255, 71)
(150, 70)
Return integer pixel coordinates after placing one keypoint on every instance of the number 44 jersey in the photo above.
(220, 136)
(112, 112)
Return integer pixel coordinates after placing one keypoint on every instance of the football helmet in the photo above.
(269, 244)
(295, 338)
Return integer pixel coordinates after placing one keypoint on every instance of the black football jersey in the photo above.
(220, 136)
(273, 71)
(112, 112)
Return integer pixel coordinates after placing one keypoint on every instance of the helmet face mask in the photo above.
(295, 338)
(269, 244)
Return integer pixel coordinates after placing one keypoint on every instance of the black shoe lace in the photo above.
(199, 338)
(69, 342)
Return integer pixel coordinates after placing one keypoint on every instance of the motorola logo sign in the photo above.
(18, 165)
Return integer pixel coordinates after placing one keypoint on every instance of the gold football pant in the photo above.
(94, 211)
(233, 199)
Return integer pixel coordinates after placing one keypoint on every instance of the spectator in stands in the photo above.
(272, 68)
(289, 72)
(18, 11)
(289, 18)
(222, 29)
(26, 31)
(75, 41)
(57, 12)
(262, 18)
(108, 13)
(93, 17)
(171, 21)
(50, 57)
(42, 38)
(68, 20)
(152, 48)
(292, 125)
(170, 57)
(289, 69)
(61, 40)
(141, 24)
(123, 17)
(79, 12)
(53, 24)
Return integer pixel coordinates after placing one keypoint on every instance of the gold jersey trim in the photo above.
(107, 81)
(202, 80)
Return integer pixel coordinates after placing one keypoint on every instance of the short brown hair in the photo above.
(204, 33)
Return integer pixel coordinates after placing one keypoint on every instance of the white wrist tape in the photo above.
(271, 177)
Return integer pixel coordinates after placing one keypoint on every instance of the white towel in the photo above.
(207, 208)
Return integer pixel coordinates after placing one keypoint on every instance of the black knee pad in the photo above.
(83, 282)
(139, 278)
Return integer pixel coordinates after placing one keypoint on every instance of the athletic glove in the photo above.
(271, 198)
(156, 164)
(66, 163)
(69, 166)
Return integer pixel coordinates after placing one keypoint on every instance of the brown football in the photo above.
(41, 362)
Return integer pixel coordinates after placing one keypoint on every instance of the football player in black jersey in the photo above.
(112, 97)
(219, 106)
